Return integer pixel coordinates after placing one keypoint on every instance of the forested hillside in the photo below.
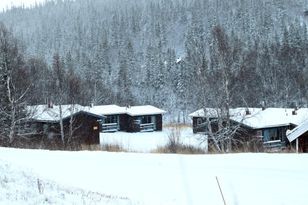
(175, 54)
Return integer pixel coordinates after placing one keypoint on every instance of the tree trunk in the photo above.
(61, 126)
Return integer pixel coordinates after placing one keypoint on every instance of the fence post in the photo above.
(222, 195)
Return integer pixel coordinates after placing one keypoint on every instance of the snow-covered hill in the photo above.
(253, 179)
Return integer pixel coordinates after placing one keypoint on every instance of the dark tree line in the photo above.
(176, 54)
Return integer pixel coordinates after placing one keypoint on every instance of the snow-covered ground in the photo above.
(149, 141)
(19, 185)
(155, 179)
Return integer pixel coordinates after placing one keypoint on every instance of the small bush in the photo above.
(174, 144)
(104, 147)
(179, 149)
(113, 148)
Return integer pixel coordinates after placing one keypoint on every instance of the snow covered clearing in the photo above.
(152, 179)
(149, 141)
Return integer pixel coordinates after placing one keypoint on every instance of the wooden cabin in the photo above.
(80, 127)
(270, 124)
(200, 117)
(130, 119)
(144, 118)
(114, 117)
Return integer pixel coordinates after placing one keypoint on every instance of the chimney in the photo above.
(91, 104)
(50, 104)
(295, 108)
(263, 105)
(294, 112)
(248, 112)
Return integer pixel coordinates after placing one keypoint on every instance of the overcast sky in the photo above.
(4, 4)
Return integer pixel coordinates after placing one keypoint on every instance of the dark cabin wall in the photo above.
(303, 143)
(159, 122)
(123, 120)
(131, 125)
(43, 136)
(203, 127)
(197, 128)
(87, 128)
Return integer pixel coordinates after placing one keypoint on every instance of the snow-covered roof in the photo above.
(207, 112)
(273, 117)
(143, 110)
(258, 118)
(297, 131)
(107, 110)
(45, 113)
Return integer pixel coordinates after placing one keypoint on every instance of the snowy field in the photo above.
(149, 141)
(152, 179)
(21, 186)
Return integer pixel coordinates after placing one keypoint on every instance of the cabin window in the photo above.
(45, 128)
(199, 121)
(146, 119)
(111, 119)
(272, 134)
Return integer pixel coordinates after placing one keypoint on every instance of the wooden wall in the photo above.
(123, 119)
(303, 143)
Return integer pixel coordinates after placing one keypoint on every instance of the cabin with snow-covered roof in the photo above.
(80, 126)
(143, 118)
(270, 124)
(114, 117)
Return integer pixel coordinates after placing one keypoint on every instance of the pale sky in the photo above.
(4, 4)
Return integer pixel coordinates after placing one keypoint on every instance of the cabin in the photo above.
(80, 126)
(270, 124)
(298, 137)
(200, 117)
(115, 118)
(143, 118)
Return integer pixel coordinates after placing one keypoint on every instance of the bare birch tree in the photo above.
(13, 89)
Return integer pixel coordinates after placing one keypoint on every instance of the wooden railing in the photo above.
(148, 127)
(274, 144)
(110, 127)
